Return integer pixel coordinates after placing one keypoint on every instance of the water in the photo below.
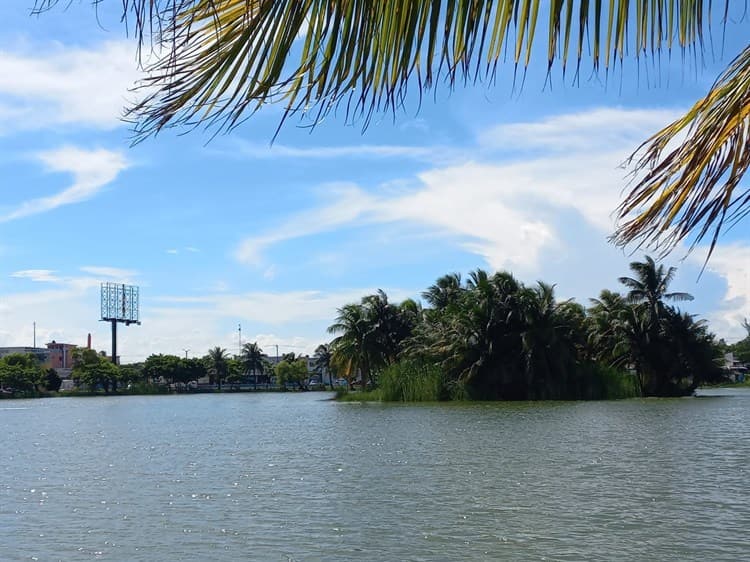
(295, 477)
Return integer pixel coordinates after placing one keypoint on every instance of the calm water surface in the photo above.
(295, 477)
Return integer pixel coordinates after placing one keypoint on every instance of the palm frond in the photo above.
(694, 189)
(222, 60)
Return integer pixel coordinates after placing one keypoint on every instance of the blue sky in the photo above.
(231, 230)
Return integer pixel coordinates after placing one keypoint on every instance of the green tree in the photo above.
(94, 370)
(294, 372)
(223, 61)
(649, 286)
(252, 360)
(322, 362)
(235, 372)
(193, 369)
(217, 362)
(21, 372)
(52, 380)
(741, 349)
(170, 368)
(669, 351)
(445, 292)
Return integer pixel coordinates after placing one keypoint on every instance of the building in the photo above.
(41, 353)
(735, 370)
(61, 355)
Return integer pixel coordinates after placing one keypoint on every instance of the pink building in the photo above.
(61, 355)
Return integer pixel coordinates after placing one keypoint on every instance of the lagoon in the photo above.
(299, 477)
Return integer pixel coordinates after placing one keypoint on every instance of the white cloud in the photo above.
(729, 261)
(239, 147)
(92, 170)
(110, 272)
(37, 275)
(501, 210)
(598, 129)
(348, 203)
(173, 251)
(54, 85)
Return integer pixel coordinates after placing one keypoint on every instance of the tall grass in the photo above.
(600, 382)
(411, 381)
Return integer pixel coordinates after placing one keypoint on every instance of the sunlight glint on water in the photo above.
(293, 476)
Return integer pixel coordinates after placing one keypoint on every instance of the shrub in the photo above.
(412, 381)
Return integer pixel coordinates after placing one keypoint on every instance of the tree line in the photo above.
(487, 337)
(492, 337)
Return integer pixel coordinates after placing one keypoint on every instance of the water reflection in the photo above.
(292, 476)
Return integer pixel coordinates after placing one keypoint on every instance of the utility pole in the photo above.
(34, 334)
(239, 339)
(277, 353)
(186, 352)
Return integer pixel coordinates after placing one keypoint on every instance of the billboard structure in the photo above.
(119, 304)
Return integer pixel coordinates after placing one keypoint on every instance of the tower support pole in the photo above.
(114, 341)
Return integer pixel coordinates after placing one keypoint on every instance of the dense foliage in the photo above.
(22, 373)
(492, 337)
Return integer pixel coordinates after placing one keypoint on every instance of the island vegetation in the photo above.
(490, 337)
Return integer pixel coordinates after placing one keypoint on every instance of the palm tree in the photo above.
(223, 61)
(353, 350)
(649, 286)
(322, 362)
(605, 322)
(252, 360)
(444, 292)
(218, 363)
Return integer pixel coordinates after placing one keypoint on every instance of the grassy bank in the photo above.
(416, 382)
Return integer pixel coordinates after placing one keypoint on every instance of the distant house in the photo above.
(736, 370)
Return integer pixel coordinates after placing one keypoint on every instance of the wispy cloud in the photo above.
(37, 275)
(503, 210)
(598, 129)
(245, 149)
(346, 203)
(188, 249)
(92, 170)
(51, 85)
(110, 272)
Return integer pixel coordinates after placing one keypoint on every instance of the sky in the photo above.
(233, 231)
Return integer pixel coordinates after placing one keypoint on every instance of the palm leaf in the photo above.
(222, 60)
(694, 188)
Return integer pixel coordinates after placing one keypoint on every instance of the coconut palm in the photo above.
(444, 292)
(252, 360)
(353, 350)
(221, 61)
(548, 353)
(322, 362)
(218, 363)
(649, 286)
(605, 323)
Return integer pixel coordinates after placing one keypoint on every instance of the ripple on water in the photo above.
(277, 477)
